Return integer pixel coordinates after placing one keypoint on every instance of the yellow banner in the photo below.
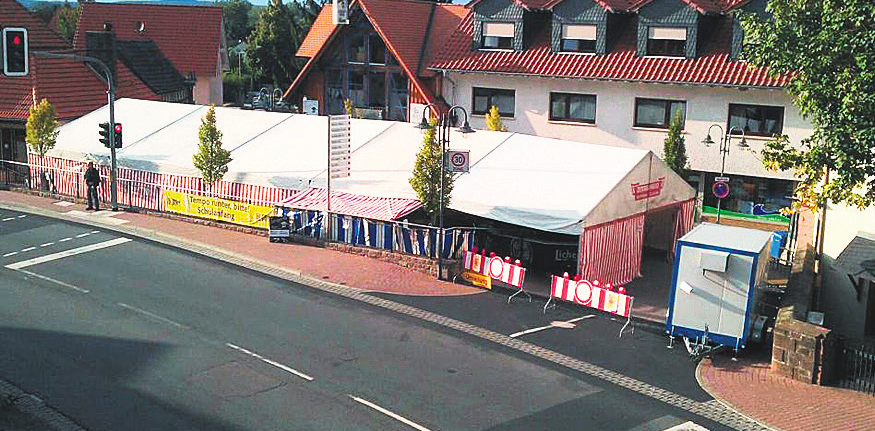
(478, 279)
(217, 209)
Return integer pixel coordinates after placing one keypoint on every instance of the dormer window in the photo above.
(498, 35)
(667, 41)
(578, 38)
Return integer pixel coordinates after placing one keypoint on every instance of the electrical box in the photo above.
(311, 107)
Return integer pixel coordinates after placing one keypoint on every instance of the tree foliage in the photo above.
(426, 179)
(235, 14)
(674, 151)
(212, 160)
(826, 47)
(42, 127)
(278, 34)
(68, 18)
(493, 120)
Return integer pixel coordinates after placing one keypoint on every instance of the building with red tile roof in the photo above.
(72, 87)
(378, 61)
(190, 37)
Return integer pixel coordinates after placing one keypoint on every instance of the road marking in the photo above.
(66, 253)
(94, 231)
(64, 204)
(275, 364)
(10, 254)
(687, 426)
(47, 244)
(22, 216)
(28, 249)
(65, 239)
(390, 414)
(552, 325)
(83, 235)
(152, 315)
(58, 282)
(9, 218)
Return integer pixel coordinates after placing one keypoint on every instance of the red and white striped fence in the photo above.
(592, 294)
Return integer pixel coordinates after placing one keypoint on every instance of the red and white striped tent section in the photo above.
(591, 294)
(371, 207)
(511, 273)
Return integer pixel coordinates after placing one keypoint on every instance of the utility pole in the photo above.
(110, 95)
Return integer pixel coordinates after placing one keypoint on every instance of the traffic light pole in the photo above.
(110, 95)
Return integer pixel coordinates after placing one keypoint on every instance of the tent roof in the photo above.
(542, 183)
(729, 237)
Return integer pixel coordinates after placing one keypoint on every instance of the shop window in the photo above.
(357, 88)
(578, 38)
(667, 41)
(485, 98)
(357, 48)
(377, 89)
(572, 107)
(334, 91)
(498, 35)
(377, 49)
(398, 97)
(757, 120)
(658, 113)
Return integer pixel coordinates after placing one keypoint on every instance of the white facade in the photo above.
(615, 112)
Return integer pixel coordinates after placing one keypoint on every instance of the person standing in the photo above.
(92, 180)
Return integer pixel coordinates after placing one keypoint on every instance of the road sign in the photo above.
(720, 189)
(721, 179)
(478, 279)
(458, 160)
(338, 146)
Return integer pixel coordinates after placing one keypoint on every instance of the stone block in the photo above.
(782, 369)
(782, 341)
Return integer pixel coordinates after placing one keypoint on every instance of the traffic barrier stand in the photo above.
(495, 268)
(591, 294)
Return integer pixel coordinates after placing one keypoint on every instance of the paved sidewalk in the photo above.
(745, 385)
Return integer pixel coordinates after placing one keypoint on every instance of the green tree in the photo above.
(272, 45)
(493, 120)
(826, 49)
(674, 151)
(42, 127)
(349, 108)
(426, 179)
(235, 14)
(68, 18)
(43, 10)
(212, 160)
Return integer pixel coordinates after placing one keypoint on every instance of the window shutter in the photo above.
(498, 29)
(578, 31)
(670, 33)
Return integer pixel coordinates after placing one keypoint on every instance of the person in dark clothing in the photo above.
(92, 180)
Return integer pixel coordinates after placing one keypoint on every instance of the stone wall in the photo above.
(800, 350)
(416, 263)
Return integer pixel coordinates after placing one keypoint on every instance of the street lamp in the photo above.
(443, 136)
(725, 142)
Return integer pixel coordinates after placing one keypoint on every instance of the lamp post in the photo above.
(725, 142)
(443, 136)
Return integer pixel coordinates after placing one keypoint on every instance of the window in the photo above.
(485, 98)
(667, 41)
(578, 38)
(498, 35)
(572, 107)
(357, 51)
(757, 120)
(658, 113)
(378, 50)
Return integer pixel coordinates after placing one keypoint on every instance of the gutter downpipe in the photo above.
(444, 76)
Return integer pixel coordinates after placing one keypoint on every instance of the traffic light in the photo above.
(118, 134)
(15, 59)
(104, 133)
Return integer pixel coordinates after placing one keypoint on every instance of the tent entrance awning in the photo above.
(377, 208)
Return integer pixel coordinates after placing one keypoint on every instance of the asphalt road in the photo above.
(123, 334)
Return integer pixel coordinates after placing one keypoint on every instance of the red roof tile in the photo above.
(39, 36)
(318, 34)
(189, 36)
(447, 18)
(621, 63)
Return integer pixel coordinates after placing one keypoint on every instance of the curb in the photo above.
(35, 407)
(701, 381)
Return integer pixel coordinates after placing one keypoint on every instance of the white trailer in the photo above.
(719, 273)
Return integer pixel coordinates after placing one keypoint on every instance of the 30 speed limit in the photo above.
(457, 160)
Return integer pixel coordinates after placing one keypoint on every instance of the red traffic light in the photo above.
(16, 40)
(118, 128)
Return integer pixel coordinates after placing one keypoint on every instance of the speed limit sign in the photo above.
(457, 160)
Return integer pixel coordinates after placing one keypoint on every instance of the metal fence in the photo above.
(856, 365)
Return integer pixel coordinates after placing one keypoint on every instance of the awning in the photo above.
(385, 209)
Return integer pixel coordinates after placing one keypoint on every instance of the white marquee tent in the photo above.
(600, 193)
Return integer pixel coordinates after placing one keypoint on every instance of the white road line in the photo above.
(390, 414)
(65, 239)
(152, 315)
(66, 253)
(64, 204)
(687, 426)
(47, 244)
(9, 218)
(28, 249)
(82, 235)
(58, 282)
(529, 331)
(275, 364)
(22, 216)
(94, 231)
(10, 254)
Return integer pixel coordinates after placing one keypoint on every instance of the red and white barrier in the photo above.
(511, 273)
(591, 294)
